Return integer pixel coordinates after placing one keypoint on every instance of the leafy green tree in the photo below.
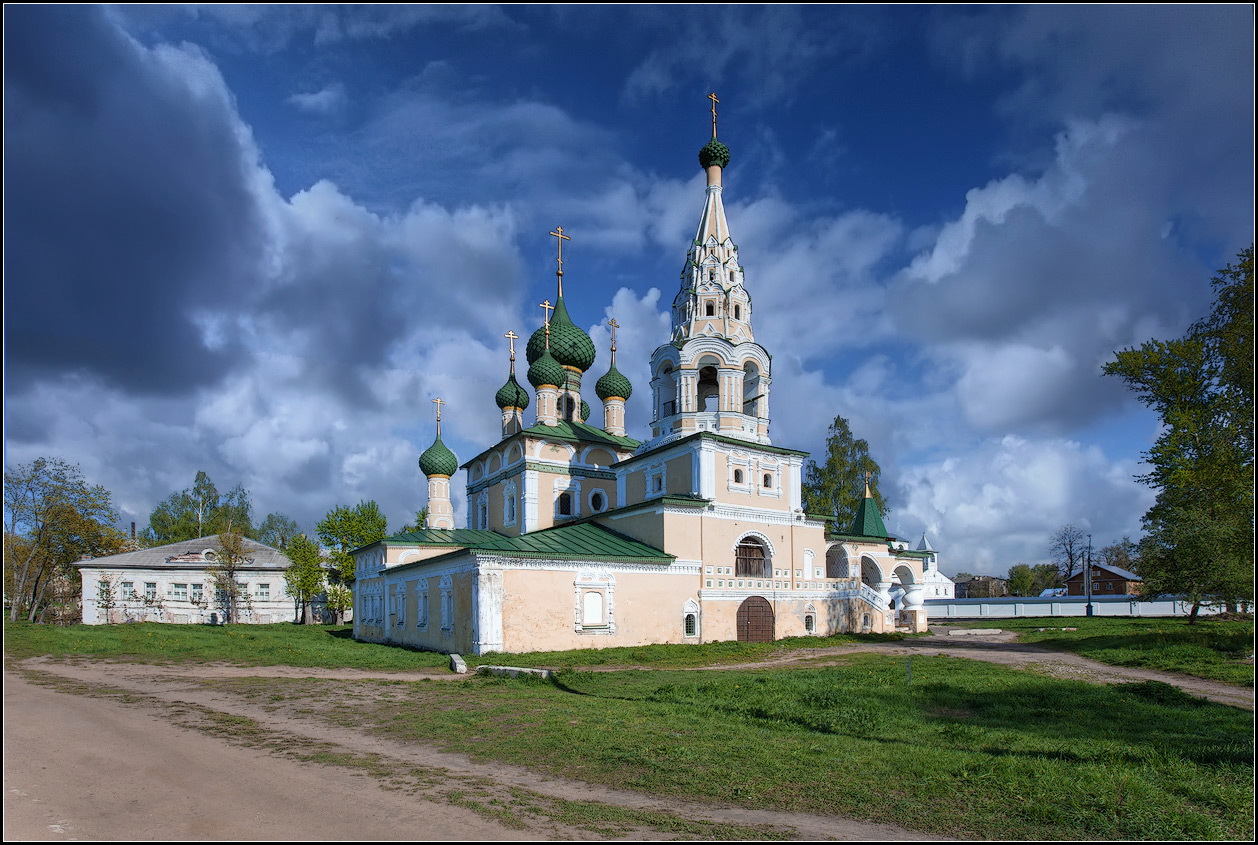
(1124, 554)
(199, 511)
(1027, 580)
(53, 518)
(421, 517)
(345, 529)
(278, 530)
(304, 577)
(836, 488)
(1200, 531)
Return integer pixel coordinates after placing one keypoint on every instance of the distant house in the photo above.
(981, 586)
(1106, 581)
(175, 583)
(937, 585)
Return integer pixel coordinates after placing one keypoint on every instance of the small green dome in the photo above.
(511, 395)
(546, 370)
(714, 152)
(570, 346)
(585, 410)
(613, 383)
(438, 460)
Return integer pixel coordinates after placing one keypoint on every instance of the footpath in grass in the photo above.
(945, 745)
(1214, 649)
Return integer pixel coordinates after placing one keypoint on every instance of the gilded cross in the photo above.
(512, 337)
(439, 402)
(714, 100)
(560, 237)
(614, 325)
(546, 308)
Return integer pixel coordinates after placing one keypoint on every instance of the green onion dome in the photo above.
(714, 152)
(511, 395)
(613, 383)
(585, 410)
(570, 346)
(438, 460)
(546, 370)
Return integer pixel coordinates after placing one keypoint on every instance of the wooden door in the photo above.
(755, 621)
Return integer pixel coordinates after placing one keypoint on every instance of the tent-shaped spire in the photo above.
(868, 522)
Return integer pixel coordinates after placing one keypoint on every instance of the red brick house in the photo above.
(1106, 581)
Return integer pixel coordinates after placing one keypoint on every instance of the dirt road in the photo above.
(140, 764)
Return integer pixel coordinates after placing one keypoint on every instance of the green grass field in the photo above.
(953, 747)
(1216, 649)
(944, 745)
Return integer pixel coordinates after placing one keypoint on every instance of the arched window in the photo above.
(691, 625)
(768, 479)
(731, 275)
(751, 389)
(709, 389)
(592, 608)
(711, 275)
(710, 310)
(750, 560)
(738, 311)
(836, 563)
(565, 504)
(568, 407)
(738, 476)
(810, 623)
(667, 392)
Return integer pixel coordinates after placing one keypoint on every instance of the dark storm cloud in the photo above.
(127, 210)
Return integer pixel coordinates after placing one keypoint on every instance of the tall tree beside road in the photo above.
(53, 517)
(304, 577)
(836, 488)
(1199, 538)
(1067, 550)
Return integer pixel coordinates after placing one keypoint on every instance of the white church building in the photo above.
(582, 535)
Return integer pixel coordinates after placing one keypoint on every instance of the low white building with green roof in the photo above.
(581, 535)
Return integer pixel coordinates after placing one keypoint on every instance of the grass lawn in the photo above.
(955, 747)
(1216, 649)
(281, 644)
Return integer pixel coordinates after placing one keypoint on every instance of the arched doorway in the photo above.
(755, 621)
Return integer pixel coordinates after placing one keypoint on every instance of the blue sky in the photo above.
(258, 240)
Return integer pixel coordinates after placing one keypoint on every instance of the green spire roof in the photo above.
(868, 522)
(546, 370)
(511, 395)
(613, 383)
(568, 344)
(438, 460)
(714, 152)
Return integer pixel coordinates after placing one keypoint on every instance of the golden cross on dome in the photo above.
(546, 308)
(512, 337)
(561, 237)
(439, 402)
(614, 325)
(714, 100)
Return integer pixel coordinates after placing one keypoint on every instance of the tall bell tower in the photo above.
(712, 376)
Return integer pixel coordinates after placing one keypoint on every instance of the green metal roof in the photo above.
(568, 343)
(613, 383)
(868, 522)
(546, 370)
(511, 395)
(581, 433)
(443, 537)
(581, 541)
(437, 459)
(714, 152)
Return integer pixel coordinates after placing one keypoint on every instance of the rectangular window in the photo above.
(150, 590)
(264, 592)
(197, 592)
(179, 592)
(127, 590)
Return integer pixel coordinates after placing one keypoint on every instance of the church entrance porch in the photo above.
(755, 621)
